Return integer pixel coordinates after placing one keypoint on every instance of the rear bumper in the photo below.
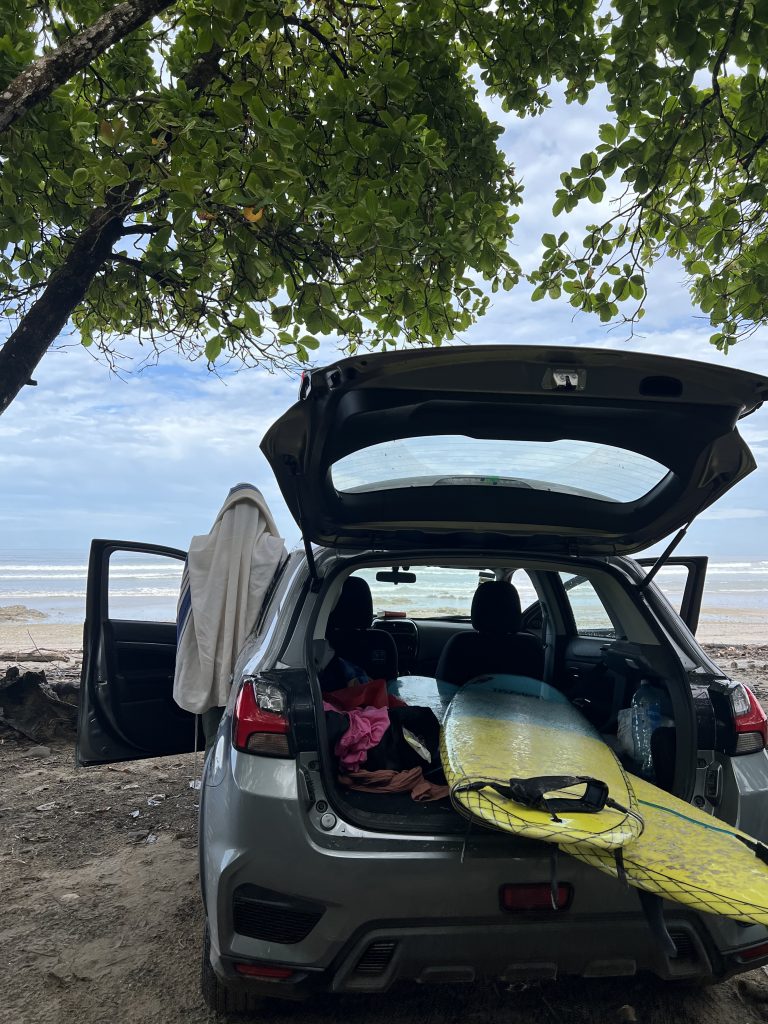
(435, 952)
(395, 908)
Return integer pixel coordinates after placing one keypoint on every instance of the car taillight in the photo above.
(749, 720)
(260, 724)
(534, 896)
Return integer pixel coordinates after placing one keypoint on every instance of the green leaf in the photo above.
(60, 175)
(213, 347)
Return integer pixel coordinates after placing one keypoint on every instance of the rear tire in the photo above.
(217, 996)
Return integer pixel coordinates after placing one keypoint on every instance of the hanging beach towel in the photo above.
(225, 579)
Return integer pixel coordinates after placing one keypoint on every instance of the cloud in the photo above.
(734, 513)
(148, 458)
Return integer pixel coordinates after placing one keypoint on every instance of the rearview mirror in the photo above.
(395, 576)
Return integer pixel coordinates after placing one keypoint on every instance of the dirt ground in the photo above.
(101, 917)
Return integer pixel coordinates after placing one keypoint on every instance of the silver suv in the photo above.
(421, 476)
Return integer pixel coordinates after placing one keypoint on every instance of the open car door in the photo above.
(684, 594)
(127, 709)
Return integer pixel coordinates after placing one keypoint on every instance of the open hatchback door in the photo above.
(127, 710)
(570, 450)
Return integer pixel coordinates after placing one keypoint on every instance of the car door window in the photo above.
(143, 587)
(589, 613)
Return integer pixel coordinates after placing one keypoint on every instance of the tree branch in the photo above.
(142, 229)
(48, 316)
(165, 280)
(324, 41)
(38, 80)
(69, 283)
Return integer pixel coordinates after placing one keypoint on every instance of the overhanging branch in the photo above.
(38, 80)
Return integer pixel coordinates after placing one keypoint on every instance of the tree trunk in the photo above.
(37, 81)
(67, 287)
(46, 318)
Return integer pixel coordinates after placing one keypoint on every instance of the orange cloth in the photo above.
(411, 781)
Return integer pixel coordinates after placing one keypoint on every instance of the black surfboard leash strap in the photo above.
(531, 793)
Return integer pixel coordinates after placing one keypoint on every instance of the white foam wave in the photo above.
(12, 595)
(81, 567)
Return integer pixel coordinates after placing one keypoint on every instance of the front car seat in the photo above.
(350, 635)
(496, 645)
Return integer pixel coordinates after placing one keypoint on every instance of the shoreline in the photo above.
(734, 640)
(59, 647)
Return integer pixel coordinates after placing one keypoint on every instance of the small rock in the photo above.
(69, 897)
(137, 837)
(135, 814)
(46, 807)
(156, 799)
(151, 838)
(751, 664)
(734, 664)
(131, 785)
(627, 1014)
(38, 751)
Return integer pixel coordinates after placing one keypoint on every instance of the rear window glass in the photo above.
(569, 467)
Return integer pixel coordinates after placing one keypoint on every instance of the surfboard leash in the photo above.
(759, 849)
(532, 793)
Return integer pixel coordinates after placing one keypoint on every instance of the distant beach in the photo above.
(42, 597)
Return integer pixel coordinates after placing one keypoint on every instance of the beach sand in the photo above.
(45, 637)
(102, 916)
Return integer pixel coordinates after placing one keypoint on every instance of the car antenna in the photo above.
(661, 560)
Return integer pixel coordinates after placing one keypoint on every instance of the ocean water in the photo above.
(53, 584)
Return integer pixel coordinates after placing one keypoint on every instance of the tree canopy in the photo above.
(235, 178)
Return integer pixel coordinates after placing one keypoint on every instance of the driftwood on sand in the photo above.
(34, 656)
(31, 706)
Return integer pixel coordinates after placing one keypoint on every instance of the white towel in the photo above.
(225, 579)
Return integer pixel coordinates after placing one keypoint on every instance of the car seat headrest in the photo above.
(354, 608)
(496, 608)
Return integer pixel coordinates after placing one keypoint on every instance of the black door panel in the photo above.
(127, 708)
(690, 605)
(583, 654)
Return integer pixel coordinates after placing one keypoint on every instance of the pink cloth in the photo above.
(365, 729)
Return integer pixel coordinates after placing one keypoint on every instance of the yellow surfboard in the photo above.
(492, 737)
(690, 857)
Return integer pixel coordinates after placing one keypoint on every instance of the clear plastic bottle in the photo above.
(646, 717)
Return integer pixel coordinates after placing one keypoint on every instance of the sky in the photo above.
(150, 456)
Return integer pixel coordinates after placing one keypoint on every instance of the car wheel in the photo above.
(217, 996)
